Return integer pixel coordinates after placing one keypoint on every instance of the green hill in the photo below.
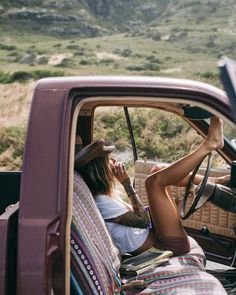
(180, 38)
(97, 17)
(40, 38)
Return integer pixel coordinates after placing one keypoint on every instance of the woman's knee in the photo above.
(158, 167)
(151, 181)
(154, 181)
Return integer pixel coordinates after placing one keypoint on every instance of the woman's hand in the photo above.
(224, 180)
(119, 170)
(138, 217)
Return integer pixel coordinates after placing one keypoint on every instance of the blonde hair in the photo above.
(98, 176)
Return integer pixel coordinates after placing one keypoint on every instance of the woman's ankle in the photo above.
(215, 137)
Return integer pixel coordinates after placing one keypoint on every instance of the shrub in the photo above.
(12, 142)
(28, 58)
(208, 75)
(135, 68)
(23, 76)
(153, 59)
(126, 52)
(7, 47)
(151, 67)
(5, 77)
(156, 36)
(65, 63)
(79, 53)
(107, 123)
(72, 46)
(14, 53)
(42, 60)
(57, 45)
(107, 61)
(231, 46)
(116, 51)
(85, 62)
(39, 74)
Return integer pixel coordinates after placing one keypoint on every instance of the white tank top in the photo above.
(127, 239)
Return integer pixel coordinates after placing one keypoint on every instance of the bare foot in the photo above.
(215, 137)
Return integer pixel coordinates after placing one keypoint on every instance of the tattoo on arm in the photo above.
(138, 217)
(139, 210)
(131, 219)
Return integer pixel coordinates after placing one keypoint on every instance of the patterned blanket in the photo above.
(95, 260)
(181, 275)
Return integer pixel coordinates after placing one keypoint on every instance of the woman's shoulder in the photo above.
(102, 198)
(105, 199)
(109, 207)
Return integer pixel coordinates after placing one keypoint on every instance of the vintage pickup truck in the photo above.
(52, 237)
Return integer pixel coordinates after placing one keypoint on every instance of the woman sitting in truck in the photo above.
(129, 224)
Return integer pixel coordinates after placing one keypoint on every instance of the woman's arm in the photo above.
(139, 217)
(136, 218)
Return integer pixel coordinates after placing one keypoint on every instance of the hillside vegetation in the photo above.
(41, 38)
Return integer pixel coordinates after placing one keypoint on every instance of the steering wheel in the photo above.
(198, 199)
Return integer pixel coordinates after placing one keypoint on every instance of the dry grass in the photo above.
(7, 163)
(15, 102)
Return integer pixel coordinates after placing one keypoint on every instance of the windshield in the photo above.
(230, 134)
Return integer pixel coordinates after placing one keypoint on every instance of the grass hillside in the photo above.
(159, 38)
(93, 18)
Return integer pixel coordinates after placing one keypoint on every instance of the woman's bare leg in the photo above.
(183, 182)
(224, 180)
(164, 213)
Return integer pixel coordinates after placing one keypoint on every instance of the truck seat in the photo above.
(94, 259)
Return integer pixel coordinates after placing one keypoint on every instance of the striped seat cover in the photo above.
(94, 259)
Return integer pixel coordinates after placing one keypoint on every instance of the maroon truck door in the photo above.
(44, 192)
